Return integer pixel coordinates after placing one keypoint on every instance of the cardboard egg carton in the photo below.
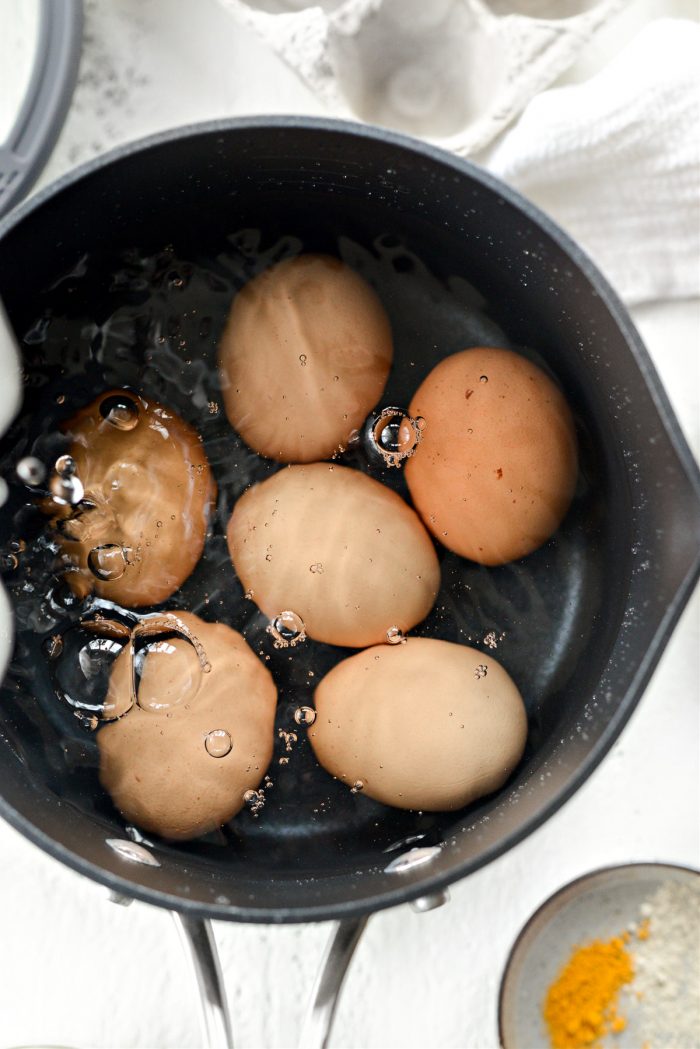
(455, 71)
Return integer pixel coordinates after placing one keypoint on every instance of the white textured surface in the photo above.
(454, 70)
(75, 970)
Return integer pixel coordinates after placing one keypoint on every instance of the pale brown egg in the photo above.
(303, 358)
(336, 548)
(181, 760)
(495, 471)
(426, 725)
(140, 529)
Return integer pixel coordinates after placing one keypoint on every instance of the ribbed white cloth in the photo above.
(616, 161)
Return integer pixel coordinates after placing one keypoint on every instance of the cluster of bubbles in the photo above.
(480, 671)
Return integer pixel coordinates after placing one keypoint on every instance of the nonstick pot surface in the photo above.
(123, 276)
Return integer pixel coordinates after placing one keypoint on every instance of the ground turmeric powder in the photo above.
(581, 1004)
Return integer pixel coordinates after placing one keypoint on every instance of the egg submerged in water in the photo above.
(496, 469)
(303, 358)
(338, 549)
(139, 530)
(426, 725)
(179, 760)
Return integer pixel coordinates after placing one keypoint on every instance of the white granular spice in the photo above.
(667, 968)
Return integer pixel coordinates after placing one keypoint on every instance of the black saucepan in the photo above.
(458, 259)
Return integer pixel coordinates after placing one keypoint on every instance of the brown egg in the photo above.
(140, 530)
(496, 469)
(337, 548)
(424, 725)
(180, 761)
(304, 357)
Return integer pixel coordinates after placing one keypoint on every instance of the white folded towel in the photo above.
(616, 161)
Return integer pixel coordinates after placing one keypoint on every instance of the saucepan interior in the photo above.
(124, 274)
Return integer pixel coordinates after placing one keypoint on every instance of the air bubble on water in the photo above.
(66, 490)
(480, 671)
(394, 435)
(316, 568)
(483, 378)
(107, 562)
(8, 562)
(302, 359)
(176, 659)
(395, 636)
(218, 743)
(83, 675)
(357, 786)
(287, 630)
(31, 471)
(120, 410)
(249, 594)
(305, 715)
(65, 466)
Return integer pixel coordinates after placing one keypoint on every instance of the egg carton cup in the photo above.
(454, 71)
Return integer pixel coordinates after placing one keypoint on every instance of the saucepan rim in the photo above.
(421, 882)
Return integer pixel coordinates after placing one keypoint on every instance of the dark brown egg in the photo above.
(140, 529)
(181, 760)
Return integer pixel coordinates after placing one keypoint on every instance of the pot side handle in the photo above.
(197, 938)
(318, 1023)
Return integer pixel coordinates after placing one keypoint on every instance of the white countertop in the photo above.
(76, 970)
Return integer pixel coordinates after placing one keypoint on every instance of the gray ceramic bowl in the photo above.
(597, 906)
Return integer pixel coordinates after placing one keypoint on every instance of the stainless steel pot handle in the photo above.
(197, 938)
(318, 1024)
